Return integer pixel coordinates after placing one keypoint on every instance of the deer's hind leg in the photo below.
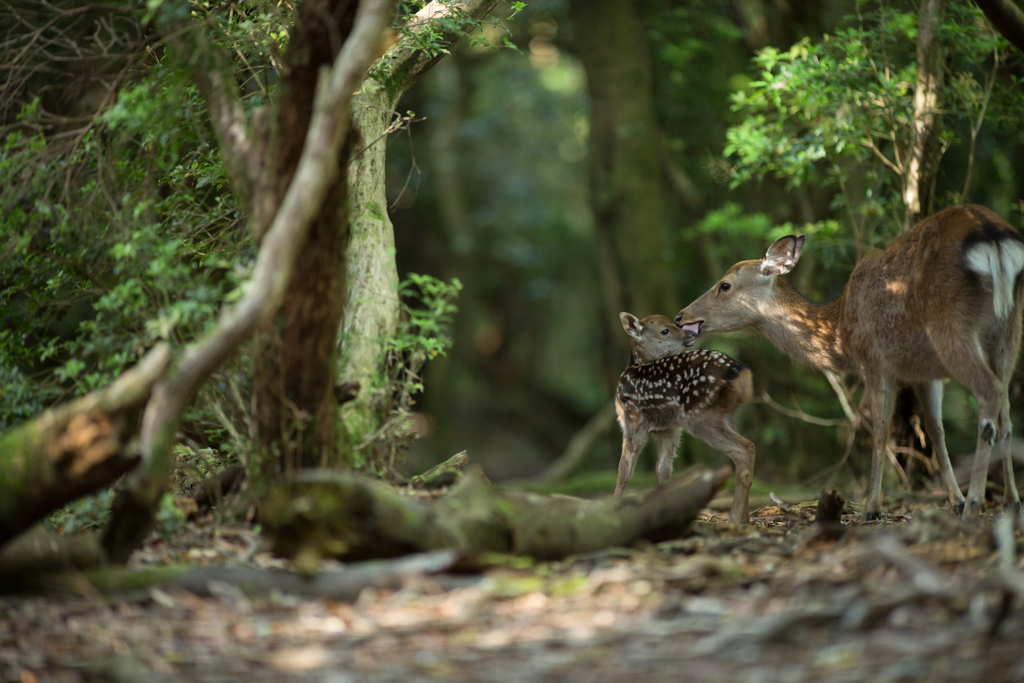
(1002, 359)
(668, 442)
(720, 433)
(963, 358)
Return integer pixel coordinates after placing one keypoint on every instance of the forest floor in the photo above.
(916, 597)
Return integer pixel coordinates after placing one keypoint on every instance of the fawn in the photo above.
(665, 390)
(944, 300)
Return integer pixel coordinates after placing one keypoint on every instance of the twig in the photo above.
(801, 415)
(844, 400)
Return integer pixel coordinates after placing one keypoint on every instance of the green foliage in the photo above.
(170, 518)
(819, 112)
(90, 513)
(422, 333)
(729, 223)
(124, 238)
(84, 514)
(427, 307)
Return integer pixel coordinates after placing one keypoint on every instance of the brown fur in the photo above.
(665, 390)
(920, 311)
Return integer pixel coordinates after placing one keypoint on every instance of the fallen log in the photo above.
(343, 584)
(74, 449)
(323, 513)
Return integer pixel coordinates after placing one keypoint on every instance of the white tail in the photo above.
(944, 300)
(999, 264)
(664, 391)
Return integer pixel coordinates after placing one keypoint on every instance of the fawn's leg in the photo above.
(668, 442)
(721, 434)
(634, 437)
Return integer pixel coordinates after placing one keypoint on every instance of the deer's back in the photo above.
(921, 280)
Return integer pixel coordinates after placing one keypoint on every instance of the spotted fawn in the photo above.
(665, 390)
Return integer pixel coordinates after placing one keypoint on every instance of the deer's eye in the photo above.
(724, 287)
(664, 332)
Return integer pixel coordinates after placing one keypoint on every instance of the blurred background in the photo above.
(578, 159)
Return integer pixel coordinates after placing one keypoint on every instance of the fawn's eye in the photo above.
(664, 332)
(724, 287)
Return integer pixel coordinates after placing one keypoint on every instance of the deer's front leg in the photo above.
(633, 440)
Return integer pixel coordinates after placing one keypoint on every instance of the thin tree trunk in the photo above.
(293, 381)
(372, 304)
(919, 183)
(925, 151)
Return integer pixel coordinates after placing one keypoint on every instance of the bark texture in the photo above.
(296, 354)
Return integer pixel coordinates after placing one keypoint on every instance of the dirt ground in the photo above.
(918, 597)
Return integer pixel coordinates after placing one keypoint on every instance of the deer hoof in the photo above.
(872, 516)
(1012, 509)
(958, 508)
(972, 512)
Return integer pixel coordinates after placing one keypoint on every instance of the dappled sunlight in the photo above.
(897, 287)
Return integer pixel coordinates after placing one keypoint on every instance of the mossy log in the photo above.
(75, 449)
(347, 516)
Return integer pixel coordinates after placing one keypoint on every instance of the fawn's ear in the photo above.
(782, 255)
(630, 324)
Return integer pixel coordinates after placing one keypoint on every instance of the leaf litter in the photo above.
(917, 597)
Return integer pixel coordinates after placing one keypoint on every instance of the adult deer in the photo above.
(665, 390)
(944, 300)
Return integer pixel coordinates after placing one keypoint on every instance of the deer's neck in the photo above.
(806, 331)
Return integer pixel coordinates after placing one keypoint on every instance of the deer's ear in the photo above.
(783, 255)
(630, 324)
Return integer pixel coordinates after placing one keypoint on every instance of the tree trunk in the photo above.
(925, 151)
(922, 168)
(372, 303)
(625, 177)
(293, 381)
